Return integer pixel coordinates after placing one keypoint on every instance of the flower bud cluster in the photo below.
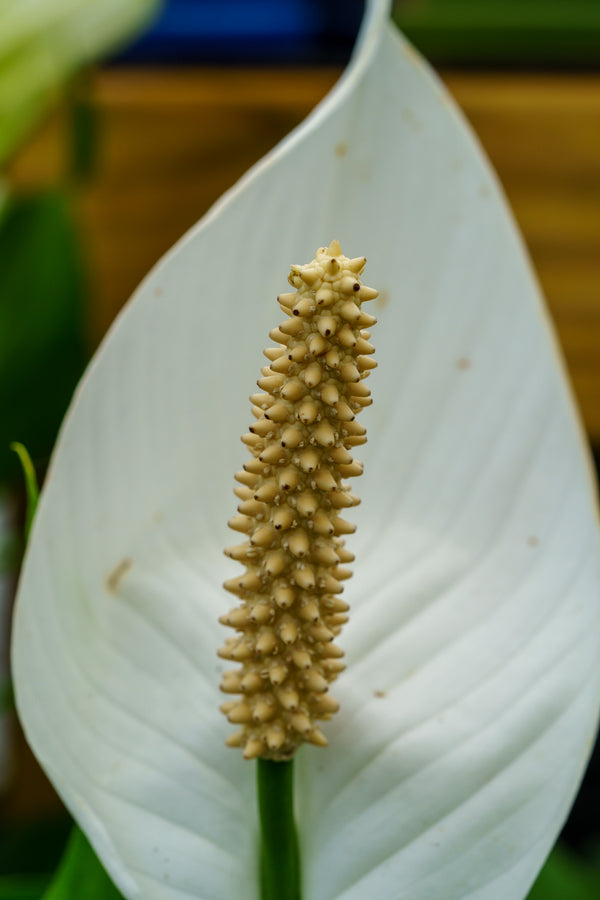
(292, 495)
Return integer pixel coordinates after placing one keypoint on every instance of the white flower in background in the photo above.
(469, 702)
(44, 42)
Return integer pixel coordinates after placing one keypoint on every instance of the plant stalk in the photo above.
(279, 852)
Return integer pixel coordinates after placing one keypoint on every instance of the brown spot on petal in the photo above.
(118, 573)
(382, 300)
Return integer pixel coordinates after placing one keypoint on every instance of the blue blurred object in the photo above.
(250, 31)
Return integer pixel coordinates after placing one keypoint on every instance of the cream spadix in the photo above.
(292, 493)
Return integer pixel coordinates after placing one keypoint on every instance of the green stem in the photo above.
(83, 128)
(279, 853)
(31, 484)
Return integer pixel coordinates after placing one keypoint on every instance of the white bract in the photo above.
(469, 704)
(43, 42)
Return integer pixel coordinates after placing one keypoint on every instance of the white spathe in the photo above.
(470, 699)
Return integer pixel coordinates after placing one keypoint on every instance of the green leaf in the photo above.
(80, 874)
(538, 32)
(564, 876)
(4, 195)
(32, 848)
(22, 887)
(42, 347)
(31, 483)
(7, 698)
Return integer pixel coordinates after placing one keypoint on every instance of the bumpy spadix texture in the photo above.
(292, 492)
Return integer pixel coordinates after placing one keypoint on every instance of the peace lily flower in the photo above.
(44, 42)
(468, 707)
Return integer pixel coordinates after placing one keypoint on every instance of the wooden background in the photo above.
(174, 140)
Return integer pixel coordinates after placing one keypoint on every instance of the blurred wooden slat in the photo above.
(175, 140)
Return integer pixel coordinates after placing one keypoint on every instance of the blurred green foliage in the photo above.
(567, 877)
(33, 850)
(528, 33)
(26, 887)
(29, 852)
(80, 874)
(42, 343)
